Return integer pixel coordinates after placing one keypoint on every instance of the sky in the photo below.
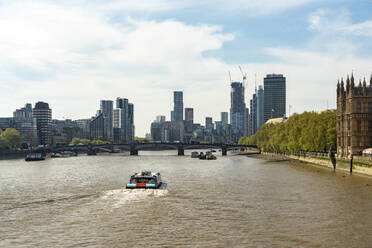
(73, 53)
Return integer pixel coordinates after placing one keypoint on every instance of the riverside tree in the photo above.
(309, 131)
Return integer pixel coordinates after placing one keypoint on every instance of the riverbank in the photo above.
(13, 155)
(342, 165)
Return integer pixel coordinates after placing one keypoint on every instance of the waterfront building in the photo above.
(237, 110)
(117, 125)
(97, 127)
(131, 128)
(83, 124)
(209, 123)
(189, 114)
(178, 106)
(6, 122)
(24, 122)
(43, 115)
(260, 108)
(225, 118)
(354, 117)
(124, 131)
(274, 96)
(253, 115)
(106, 109)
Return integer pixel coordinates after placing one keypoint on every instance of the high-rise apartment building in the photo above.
(178, 106)
(225, 118)
(43, 115)
(237, 110)
(260, 108)
(253, 115)
(189, 114)
(106, 109)
(126, 120)
(274, 96)
(24, 122)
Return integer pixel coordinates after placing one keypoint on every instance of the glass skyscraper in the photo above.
(274, 96)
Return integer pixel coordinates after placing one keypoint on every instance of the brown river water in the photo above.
(234, 201)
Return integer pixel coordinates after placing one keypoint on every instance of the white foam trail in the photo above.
(119, 197)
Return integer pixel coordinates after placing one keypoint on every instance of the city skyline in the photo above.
(123, 49)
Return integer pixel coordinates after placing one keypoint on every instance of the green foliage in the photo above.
(140, 139)
(76, 141)
(10, 138)
(308, 131)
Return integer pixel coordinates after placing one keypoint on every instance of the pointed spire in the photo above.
(347, 83)
(370, 81)
(352, 77)
(364, 82)
(360, 82)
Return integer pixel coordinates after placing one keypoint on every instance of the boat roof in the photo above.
(145, 174)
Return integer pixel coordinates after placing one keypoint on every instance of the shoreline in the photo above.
(315, 162)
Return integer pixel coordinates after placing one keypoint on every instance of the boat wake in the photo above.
(119, 197)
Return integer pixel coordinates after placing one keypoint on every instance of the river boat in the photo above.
(145, 180)
(34, 157)
(207, 156)
(194, 154)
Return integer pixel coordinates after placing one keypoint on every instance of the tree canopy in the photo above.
(10, 138)
(309, 131)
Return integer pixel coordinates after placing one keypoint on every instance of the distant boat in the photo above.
(194, 154)
(34, 157)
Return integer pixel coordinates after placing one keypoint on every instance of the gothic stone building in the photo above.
(354, 117)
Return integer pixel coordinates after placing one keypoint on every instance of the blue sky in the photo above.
(74, 53)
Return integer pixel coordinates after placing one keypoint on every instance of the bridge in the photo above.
(133, 148)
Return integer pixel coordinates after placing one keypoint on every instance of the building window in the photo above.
(359, 107)
(359, 125)
(370, 126)
(370, 108)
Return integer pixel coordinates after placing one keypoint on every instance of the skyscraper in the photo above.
(126, 119)
(253, 115)
(225, 118)
(43, 115)
(178, 106)
(237, 110)
(260, 108)
(209, 123)
(189, 114)
(274, 96)
(106, 109)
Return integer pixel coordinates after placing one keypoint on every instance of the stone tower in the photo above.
(354, 117)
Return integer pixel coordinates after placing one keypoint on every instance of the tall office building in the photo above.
(131, 128)
(274, 96)
(237, 110)
(178, 106)
(106, 109)
(225, 118)
(126, 129)
(260, 108)
(253, 115)
(189, 114)
(43, 115)
(160, 118)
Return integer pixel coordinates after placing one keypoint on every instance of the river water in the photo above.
(233, 201)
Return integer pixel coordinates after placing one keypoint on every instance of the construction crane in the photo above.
(244, 77)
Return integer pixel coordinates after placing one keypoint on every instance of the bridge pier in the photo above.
(133, 150)
(224, 150)
(181, 151)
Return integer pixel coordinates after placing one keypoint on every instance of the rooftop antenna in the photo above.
(230, 77)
